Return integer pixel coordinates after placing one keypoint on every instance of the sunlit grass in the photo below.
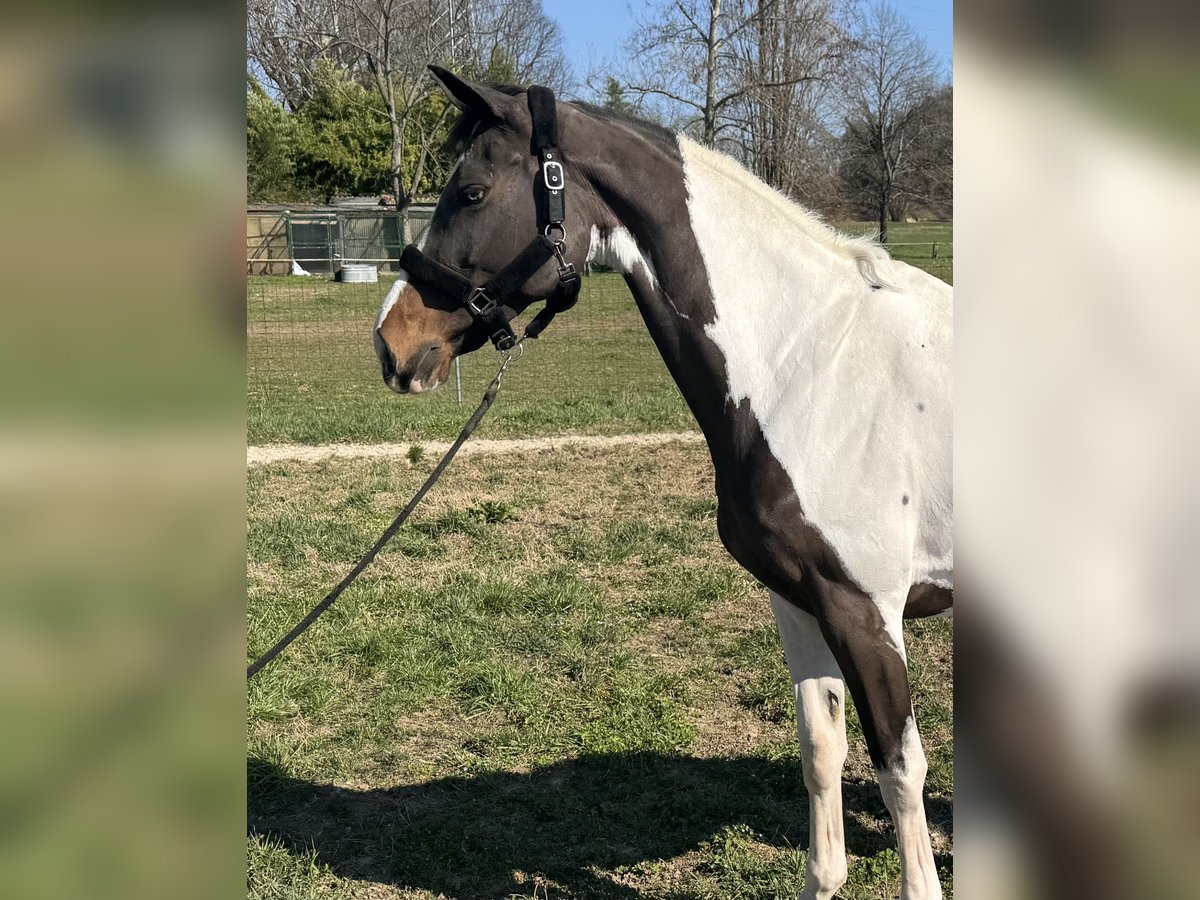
(556, 683)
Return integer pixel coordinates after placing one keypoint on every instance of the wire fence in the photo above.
(935, 257)
(283, 241)
(313, 376)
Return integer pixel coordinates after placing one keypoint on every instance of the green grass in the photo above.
(554, 684)
(913, 243)
(907, 233)
(313, 376)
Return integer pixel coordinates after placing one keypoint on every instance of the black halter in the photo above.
(486, 302)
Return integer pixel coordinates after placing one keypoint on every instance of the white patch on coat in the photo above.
(618, 250)
(392, 296)
(892, 610)
(389, 301)
(851, 385)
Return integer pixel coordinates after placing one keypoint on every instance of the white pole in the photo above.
(458, 378)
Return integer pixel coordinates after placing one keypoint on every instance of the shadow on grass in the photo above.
(465, 837)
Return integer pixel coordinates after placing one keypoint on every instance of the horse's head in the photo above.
(487, 214)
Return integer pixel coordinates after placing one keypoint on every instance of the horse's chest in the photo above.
(763, 526)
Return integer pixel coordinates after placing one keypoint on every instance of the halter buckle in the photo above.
(479, 303)
(553, 176)
(567, 276)
(504, 340)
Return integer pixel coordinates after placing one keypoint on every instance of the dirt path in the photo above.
(269, 453)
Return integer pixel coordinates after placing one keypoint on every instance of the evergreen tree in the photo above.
(615, 98)
(270, 148)
(342, 137)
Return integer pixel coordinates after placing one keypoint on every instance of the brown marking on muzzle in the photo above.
(415, 344)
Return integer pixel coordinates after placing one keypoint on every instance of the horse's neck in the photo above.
(724, 280)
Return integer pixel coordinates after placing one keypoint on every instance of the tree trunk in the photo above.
(405, 221)
(418, 175)
(399, 194)
(883, 222)
(710, 86)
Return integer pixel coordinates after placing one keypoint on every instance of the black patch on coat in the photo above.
(927, 599)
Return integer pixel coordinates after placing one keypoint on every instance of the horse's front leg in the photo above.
(866, 637)
(820, 716)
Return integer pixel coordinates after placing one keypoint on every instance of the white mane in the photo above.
(770, 203)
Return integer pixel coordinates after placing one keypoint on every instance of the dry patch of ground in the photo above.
(269, 453)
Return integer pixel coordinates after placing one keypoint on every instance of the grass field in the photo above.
(313, 377)
(554, 684)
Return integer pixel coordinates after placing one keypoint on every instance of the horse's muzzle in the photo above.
(418, 374)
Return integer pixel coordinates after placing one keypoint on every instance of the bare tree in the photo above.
(517, 36)
(388, 44)
(792, 59)
(753, 77)
(279, 54)
(893, 77)
(929, 184)
(680, 53)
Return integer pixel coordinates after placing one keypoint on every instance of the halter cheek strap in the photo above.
(486, 303)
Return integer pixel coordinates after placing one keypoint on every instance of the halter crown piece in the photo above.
(486, 303)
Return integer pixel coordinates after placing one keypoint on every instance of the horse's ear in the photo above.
(477, 99)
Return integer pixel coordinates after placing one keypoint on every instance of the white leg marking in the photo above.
(903, 789)
(820, 703)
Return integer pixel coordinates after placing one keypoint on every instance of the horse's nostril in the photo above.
(387, 359)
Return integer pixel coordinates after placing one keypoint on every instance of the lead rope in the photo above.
(489, 396)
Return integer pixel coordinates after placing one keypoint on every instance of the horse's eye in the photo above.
(473, 194)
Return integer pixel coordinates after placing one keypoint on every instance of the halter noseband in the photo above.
(486, 302)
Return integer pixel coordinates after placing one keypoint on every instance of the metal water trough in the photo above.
(355, 273)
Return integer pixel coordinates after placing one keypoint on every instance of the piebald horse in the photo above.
(818, 369)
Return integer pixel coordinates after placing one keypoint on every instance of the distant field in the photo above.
(903, 232)
(555, 684)
(912, 242)
(313, 377)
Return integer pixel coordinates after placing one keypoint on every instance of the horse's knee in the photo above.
(821, 729)
(822, 758)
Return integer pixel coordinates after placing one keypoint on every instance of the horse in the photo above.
(817, 368)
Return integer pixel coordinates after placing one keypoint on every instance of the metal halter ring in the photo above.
(561, 231)
(511, 355)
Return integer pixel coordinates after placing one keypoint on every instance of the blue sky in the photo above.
(594, 29)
